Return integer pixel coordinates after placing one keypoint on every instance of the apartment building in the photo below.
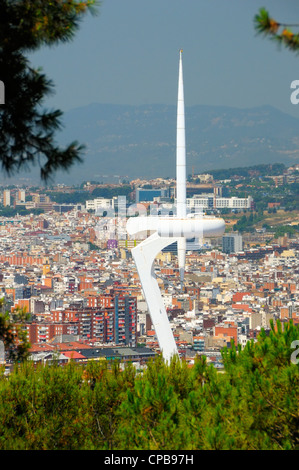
(232, 243)
(113, 320)
(6, 198)
(99, 203)
(120, 321)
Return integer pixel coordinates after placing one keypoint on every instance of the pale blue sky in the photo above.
(128, 54)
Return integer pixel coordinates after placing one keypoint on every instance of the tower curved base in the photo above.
(144, 256)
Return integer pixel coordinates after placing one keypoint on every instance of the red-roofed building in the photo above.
(74, 356)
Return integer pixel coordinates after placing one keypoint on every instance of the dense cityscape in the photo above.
(69, 266)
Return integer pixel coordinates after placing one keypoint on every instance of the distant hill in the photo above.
(139, 141)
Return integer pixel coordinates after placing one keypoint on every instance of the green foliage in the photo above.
(247, 223)
(150, 413)
(12, 211)
(77, 197)
(283, 229)
(44, 409)
(108, 389)
(251, 405)
(13, 333)
(279, 32)
(109, 193)
(257, 170)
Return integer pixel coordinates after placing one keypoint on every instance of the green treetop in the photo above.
(277, 31)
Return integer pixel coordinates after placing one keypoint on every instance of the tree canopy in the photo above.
(27, 129)
(252, 404)
(13, 333)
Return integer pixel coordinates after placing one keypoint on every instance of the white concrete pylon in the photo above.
(165, 230)
(144, 257)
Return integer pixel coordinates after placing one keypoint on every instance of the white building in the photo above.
(100, 203)
(210, 201)
(21, 196)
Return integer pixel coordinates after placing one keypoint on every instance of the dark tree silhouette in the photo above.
(27, 130)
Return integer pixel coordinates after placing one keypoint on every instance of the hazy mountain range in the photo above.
(139, 141)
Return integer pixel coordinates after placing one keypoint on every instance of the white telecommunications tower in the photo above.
(167, 230)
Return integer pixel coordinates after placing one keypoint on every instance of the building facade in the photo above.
(6, 198)
(211, 201)
(110, 319)
(232, 243)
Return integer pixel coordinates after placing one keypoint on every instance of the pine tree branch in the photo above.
(268, 26)
(27, 131)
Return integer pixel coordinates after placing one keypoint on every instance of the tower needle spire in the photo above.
(181, 168)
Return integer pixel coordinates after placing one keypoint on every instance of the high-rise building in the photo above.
(232, 243)
(120, 319)
(21, 196)
(6, 198)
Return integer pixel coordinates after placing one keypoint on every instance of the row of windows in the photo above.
(219, 203)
